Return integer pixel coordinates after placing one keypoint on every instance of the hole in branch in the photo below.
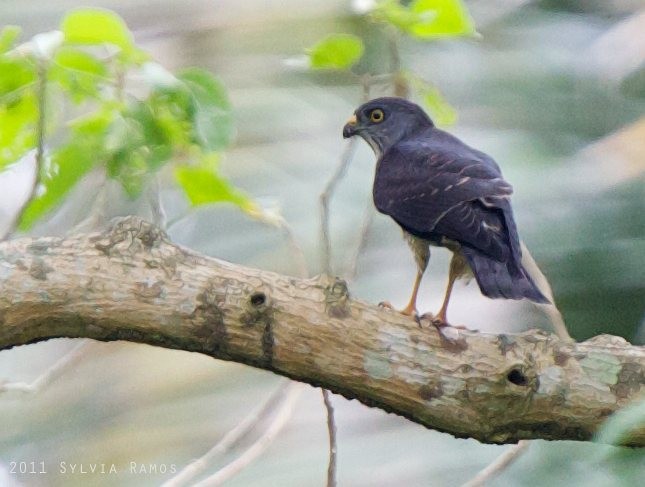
(258, 299)
(515, 376)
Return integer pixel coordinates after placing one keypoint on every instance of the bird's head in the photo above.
(383, 122)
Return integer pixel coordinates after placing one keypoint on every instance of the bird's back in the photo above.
(439, 189)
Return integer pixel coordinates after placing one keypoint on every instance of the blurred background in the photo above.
(553, 90)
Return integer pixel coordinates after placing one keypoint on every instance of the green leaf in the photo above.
(18, 133)
(78, 73)
(69, 163)
(617, 429)
(203, 185)
(336, 51)
(90, 26)
(176, 117)
(76, 60)
(392, 12)
(212, 117)
(446, 18)
(427, 19)
(8, 36)
(136, 146)
(173, 111)
(18, 109)
(130, 168)
(15, 74)
(442, 112)
(144, 136)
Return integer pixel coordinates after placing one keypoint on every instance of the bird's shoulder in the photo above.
(433, 168)
(433, 150)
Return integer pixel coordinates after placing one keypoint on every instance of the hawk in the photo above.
(443, 193)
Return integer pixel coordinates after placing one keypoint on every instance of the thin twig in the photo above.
(40, 150)
(400, 83)
(156, 204)
(366, 225)
(498, 465)
(550, 309)
(178, 219)
(331, 422)
(52, 373)
(341, 169)
(97, 212)
(290, 236)
(278, 399)
(330, 187)
(231, 438)
(257, 448)
(331, 429)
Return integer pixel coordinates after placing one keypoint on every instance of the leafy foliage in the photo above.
(442, 112)
(69, 163)
(426, 19)
(420, 19)
(210, 109)
(203, 185)
(18, 110)
(336, 51)
(183, 119)
(91, 26)
(8, 37)
(78, 73)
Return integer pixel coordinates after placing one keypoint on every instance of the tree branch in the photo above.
(131, 283)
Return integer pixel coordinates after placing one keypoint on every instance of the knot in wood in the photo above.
(337, 299)
(258, 313)
(523, 376)
(130, 234)
(258, 309)
(39, 269)
(212, 327)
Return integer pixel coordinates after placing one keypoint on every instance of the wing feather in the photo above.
(433, 192)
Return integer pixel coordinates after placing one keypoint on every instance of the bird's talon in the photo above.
(427, 317)
(417, 318)
(439, 323)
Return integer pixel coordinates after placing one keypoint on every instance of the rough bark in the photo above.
(131, 283)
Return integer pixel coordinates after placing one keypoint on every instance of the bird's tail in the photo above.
(508, 280)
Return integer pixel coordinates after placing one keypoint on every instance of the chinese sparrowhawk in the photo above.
(443, 192)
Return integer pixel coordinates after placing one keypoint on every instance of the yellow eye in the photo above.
(376, 115)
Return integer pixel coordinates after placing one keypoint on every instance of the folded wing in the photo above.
(434, 193)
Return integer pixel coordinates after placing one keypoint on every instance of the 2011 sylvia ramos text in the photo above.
(73, 468)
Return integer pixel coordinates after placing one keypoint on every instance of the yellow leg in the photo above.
(457, 268)
(411, 308)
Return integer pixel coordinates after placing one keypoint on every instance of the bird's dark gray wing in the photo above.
(432, 192)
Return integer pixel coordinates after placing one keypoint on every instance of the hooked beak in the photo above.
(349, 129)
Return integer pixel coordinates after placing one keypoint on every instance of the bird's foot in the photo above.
(407, 311)
(410, 310)
(440, 321)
